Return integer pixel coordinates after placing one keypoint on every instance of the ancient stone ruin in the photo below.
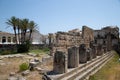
(74, 47)
(64, 40)
(60, 62)
(73, 57)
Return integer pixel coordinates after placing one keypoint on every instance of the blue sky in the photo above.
(61, 15)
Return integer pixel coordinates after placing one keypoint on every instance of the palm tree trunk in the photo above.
(30, 35)
(14, 28)
(25, 35)
(18, 36)
(22, 36)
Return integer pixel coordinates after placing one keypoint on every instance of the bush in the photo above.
(46, 49)
(23, 66)
(21, 48)
(6, 52)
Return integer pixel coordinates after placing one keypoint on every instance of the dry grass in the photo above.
(111, 71)
(12, 65)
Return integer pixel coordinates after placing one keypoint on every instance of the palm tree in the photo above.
(32, 26)
(24, 28)
(13, 22)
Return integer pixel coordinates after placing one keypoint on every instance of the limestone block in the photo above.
(60, 62)
(73, 57)
(24, 73)
(82, 54)
(12, 74)
(89, 54)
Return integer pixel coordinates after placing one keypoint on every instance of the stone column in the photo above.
(109, 42)
(99, 52)
(89, 54)
(94, 51)
(73, 57)
(105, 49)
(82, 54)
(60, 62)
(51, 44)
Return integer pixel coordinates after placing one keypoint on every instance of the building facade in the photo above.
(9, 38)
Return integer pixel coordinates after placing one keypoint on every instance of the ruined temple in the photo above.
(108, 36)
(61, 41)
(81, 46)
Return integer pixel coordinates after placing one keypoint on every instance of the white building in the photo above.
(9, 38)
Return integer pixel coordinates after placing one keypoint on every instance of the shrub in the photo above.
(21, 48)
(23, 66)
(46, 49)
(6, 52)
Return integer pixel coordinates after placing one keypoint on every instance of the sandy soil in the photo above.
(8, 65)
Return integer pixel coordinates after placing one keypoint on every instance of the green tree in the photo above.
(13, 22)
(24, 28)
(21, 27)
(32, 27)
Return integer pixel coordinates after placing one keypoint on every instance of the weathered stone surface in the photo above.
(32, 65)
(73, 57)
(13, 78)
(99, 50)
(60, 62)
(16, 78)
(94, 51)
(24, 73)
(82, 54)
(104, 49)
(88, 35)
(22, 78)
(12, 74)
(89, 54)
(108, 36)
(38, 68)
(32, 54)
(63, 40)
(36, 60)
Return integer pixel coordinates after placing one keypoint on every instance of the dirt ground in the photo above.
(8, 65)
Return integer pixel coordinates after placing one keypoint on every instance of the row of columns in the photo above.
(75, 56)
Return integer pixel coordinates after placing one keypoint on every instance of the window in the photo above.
(14, 39)
(3, 39)
(9, 39)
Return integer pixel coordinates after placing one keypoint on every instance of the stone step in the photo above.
(87, 72)
(82, 68)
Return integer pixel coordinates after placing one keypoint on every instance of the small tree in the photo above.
(13, 22)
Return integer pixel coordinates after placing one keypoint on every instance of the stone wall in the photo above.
(13, 46)
(64, 40)
(87, 35)
(108, 36)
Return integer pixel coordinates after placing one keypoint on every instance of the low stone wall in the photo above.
(13, 46)
(7, 47)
